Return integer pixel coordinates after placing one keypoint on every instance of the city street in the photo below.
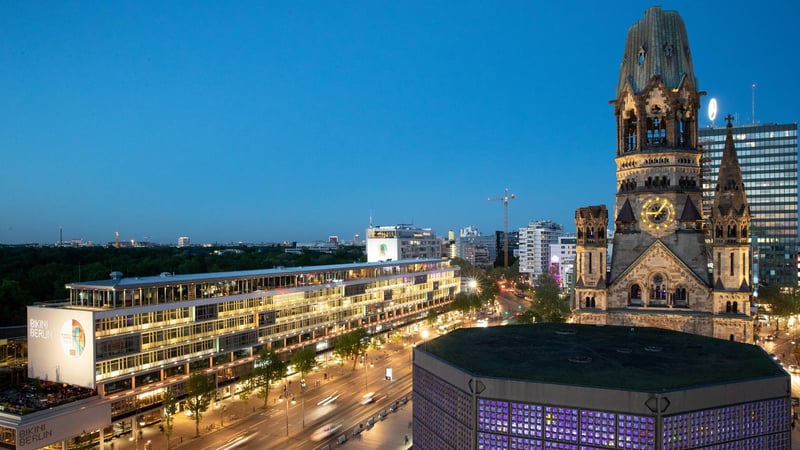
(233, 424)
(781, 345)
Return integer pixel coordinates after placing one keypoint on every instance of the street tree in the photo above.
(170, 404)
(199, 391)
(269, 367)
(351, 345)
(782, 301)
(548, 305)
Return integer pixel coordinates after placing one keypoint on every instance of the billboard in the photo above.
(61, 345)
(52, 429)
(382, 250)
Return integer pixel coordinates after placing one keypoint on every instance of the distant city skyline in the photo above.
(292, 122)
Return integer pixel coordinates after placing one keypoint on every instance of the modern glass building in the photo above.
(567, 386)
(768, 159)
(129, 338)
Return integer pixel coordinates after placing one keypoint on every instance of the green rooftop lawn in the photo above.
(640, 359)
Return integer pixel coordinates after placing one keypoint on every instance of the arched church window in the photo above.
(593, 302)
(588, 302)
(727, 307)
(744, 232)
(630, 133)
(641, 56)
(683, 133)
(656, 132)
(735, 307)
(679, 297)
(658, 291)
(731, 231)
(635, 295)
(718, 231)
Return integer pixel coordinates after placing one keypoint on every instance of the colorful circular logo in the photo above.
(73, 338)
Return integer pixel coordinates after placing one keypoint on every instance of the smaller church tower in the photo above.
(590, 257)
(730, 241)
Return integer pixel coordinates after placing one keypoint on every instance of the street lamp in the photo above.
(287, 411)
(366, 389)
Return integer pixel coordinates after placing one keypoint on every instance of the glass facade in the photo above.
(525, 426)
(152, 330)
(768, 159)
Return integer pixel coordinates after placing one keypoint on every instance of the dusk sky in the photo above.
(293, 121)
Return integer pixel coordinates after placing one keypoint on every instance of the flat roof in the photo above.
(171, 279)
(614, 357)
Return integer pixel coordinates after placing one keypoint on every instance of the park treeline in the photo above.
(37, 274)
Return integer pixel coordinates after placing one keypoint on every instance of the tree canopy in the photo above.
(352, 344)
(548, 305)
(269, 367)
(199, 391)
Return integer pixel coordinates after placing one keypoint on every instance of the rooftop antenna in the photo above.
(754, 103)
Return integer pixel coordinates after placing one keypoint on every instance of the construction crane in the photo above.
(505, 199)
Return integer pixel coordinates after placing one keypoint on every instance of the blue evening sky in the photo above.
(273, 121)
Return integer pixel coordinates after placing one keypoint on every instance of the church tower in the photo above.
(730, 222)
(660, 272)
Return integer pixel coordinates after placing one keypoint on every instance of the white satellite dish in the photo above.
(712, 110)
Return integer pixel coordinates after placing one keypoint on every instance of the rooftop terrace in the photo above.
(639, 359)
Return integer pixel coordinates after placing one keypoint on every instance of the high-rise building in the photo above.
(534, 247)
(768, 160)
(671, 267)
(513, 245)
(183, 241)
(396, 242)
(477, 249)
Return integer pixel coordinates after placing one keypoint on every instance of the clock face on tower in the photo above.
(657, 213)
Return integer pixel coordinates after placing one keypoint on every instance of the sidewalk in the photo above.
(386, 434)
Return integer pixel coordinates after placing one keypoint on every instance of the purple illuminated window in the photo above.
(489, 441)
(493, 416)
(560, 424)
(526, 419)
(598, 428)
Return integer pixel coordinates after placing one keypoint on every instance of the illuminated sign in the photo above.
(712, 109)
(61, 345)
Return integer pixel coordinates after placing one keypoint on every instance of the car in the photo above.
(769, 338)
(367, 398)
(794, 369)
(329, 399)
(325, 431)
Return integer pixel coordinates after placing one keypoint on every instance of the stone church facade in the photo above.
(671, 266)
